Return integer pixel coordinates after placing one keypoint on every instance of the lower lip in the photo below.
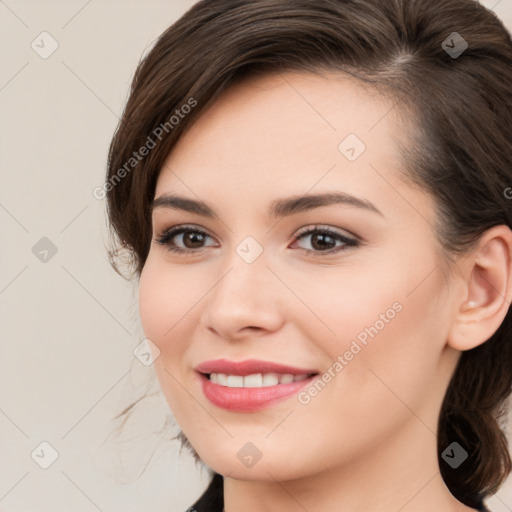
(249, 399)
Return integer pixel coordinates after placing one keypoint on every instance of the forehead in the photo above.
(288, 131)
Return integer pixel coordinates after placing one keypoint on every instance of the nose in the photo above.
(245, 301)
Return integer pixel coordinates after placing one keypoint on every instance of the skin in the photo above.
(367, 441)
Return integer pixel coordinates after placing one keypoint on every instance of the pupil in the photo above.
(321, 240)
(193, 238)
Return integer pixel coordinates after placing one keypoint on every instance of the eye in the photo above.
(189, 239)
(190, 236)
(324, 240)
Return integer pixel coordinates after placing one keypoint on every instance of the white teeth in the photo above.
(286, 378)
(256, 380)
(235, 381)
(270, 379)
(253, 381)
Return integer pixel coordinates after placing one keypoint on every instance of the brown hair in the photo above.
(461, 107)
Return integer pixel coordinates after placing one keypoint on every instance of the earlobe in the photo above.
(487, 274)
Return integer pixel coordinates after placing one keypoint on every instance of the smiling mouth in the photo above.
(256, 380)
(253, 392)
(252, 384)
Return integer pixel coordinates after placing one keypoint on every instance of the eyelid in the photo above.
(325, 227)
(349, 240)
(178, 229)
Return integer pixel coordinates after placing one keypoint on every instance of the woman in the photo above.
(315, 197)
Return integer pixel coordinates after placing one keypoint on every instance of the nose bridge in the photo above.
(245, 275)
(242, 296)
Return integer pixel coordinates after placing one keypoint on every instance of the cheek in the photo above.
(155, 298)
(166, 298)
(383, 358)
(166, 312)
(348, 303)
(387, 321)
(392, 296)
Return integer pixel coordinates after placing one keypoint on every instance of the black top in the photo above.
(212, 500)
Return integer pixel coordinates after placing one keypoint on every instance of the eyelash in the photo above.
(166, 237)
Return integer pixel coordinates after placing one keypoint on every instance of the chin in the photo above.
(236, 463)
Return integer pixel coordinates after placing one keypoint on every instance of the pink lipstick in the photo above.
(251, 385)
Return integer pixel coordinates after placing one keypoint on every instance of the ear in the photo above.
(486, 291)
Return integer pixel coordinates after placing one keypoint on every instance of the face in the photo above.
(348, 293)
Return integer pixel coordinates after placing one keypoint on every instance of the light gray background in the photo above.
(69, 324)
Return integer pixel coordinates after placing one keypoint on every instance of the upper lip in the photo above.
(249, 367)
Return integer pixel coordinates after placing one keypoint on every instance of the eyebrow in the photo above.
(279, 208)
